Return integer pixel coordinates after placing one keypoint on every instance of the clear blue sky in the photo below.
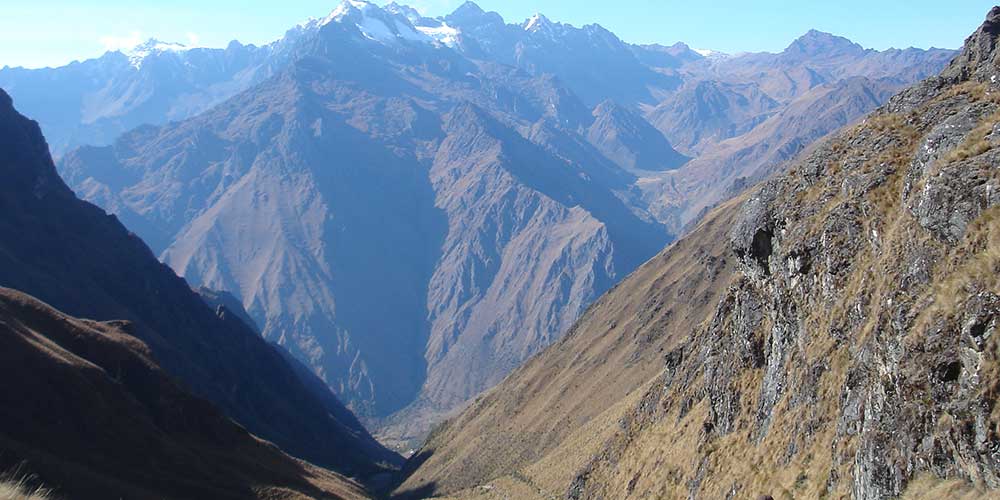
(37, 33)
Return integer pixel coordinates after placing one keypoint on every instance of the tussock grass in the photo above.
(975, 91)
(977, 142)
(928, 487)
(14, 486)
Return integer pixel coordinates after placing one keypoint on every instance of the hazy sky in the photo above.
(55, 32)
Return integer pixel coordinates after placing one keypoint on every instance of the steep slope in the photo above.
(91, 415)
(73, 255)
(329, 197)
(391, 212)
(852, 352)
(541, 424)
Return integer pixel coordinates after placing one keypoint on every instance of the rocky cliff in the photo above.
(851, 352)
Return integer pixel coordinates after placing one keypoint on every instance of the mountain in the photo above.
(592, 61)
(818, 58)
(410, 223)
(707, 112)
(666, 57)
(736, 163)
(89, 396)
(76, 257)
(630, 141)
(742, 117)
(95, 101)
(830, 333)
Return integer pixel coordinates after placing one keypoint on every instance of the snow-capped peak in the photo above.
(711, 54)
(442, 33)
(139, 53)
(346, 8)
(388, 24)
(536, 22)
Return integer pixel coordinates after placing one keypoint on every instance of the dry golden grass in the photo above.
(977, 142)
(928, 487)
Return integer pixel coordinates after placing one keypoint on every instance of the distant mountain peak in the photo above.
(404, 10)
(139, 53)
(467, 8)
(388, 25)
(980, 57)
(815, 42)
(537, 22)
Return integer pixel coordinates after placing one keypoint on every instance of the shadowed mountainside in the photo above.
(94, 417)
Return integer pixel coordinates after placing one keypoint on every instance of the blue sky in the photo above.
(54, 32)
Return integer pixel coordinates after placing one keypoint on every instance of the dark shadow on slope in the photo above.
(385, 236)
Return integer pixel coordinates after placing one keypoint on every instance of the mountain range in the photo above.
(596, 270)
(828, 333)
(412, 207)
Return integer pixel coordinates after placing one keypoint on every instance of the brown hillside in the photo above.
(87, 411)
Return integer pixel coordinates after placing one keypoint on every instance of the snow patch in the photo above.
(373, 22)
(536, 21)
(138, 54)
(444, 34)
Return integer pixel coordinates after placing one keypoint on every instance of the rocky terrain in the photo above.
(841, 344)
(397, 200)
(76, 257)
(89, 395)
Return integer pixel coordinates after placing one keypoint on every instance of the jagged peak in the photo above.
(468, 8)
(979, 58)
(536, 22)
(608, 107)
(815, 42)
(138, 54)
